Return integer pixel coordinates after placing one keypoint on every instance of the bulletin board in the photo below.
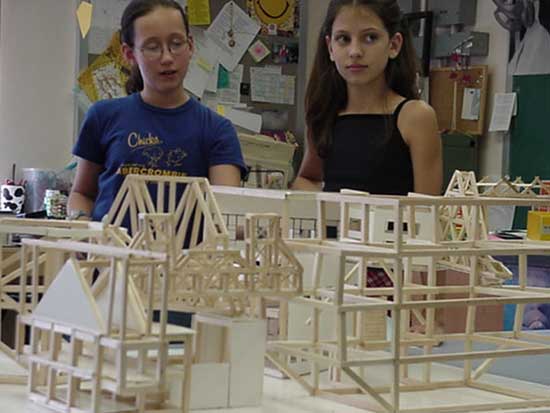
(285, 116)
(448, 87)
(285, 37)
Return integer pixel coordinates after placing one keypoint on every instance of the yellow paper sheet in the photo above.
(84, 16)
(221, 110)
(106, 76)
(198, 12)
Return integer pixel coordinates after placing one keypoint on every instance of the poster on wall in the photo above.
(531, 19)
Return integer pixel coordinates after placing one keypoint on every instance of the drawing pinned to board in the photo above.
(276, 16)
(258, 51)
(84, 17)
(232, 31)
(106, 76)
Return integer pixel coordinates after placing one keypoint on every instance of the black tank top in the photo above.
(364, 158)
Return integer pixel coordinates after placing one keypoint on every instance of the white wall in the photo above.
(37, 74)
(492, 144)
(316, 14)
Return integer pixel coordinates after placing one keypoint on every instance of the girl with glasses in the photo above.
(158, 129)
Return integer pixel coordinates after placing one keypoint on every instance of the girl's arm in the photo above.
(84, 190)
(229, 175)
(310, 175)
(418, 126)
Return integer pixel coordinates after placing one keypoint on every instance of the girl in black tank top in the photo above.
(367, 130)
(382, 165)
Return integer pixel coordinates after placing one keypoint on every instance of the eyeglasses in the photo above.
(154, 51)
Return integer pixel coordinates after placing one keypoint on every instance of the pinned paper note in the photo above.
(202, 64)
(243, 119)
(198, 12)
(258, 51)
(471, 103)
(223, 77)
(84, 16)
(105, 21)
(231, 94)
(269, 85)
(212, 85)
(503, 109)
(233, 31)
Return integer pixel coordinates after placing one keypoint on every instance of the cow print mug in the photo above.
(12, 198)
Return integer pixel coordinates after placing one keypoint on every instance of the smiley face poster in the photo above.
(275, 16)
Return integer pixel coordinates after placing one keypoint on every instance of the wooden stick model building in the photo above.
(100, 338)
(456, 221)
(48, 264)
(206, 275)
(174, 256)
(407, 371)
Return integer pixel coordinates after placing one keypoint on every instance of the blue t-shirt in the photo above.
(129, 136)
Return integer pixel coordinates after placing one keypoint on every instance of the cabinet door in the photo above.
(459, 152)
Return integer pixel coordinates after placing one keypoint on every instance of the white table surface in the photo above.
(286, 396)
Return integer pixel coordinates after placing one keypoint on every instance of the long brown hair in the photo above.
(326, 93)
(135, 10)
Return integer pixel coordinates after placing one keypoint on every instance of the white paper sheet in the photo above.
(246, 120)
(503, 110)
(212, 85)
(232, 18)
(268, 86)
(471, 102)
(105, 21)
(202, 64)
(232, 93)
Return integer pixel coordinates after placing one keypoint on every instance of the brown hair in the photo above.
(135, 10)
(326, 93)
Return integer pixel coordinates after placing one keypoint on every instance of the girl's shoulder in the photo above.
(416, 121)
(415, 111)
(416, 108)
(107, 107)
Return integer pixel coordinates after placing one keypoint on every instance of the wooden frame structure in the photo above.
(175, 256)
(109, 343)
(354, 356)
(48, 264)
(205, 274)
